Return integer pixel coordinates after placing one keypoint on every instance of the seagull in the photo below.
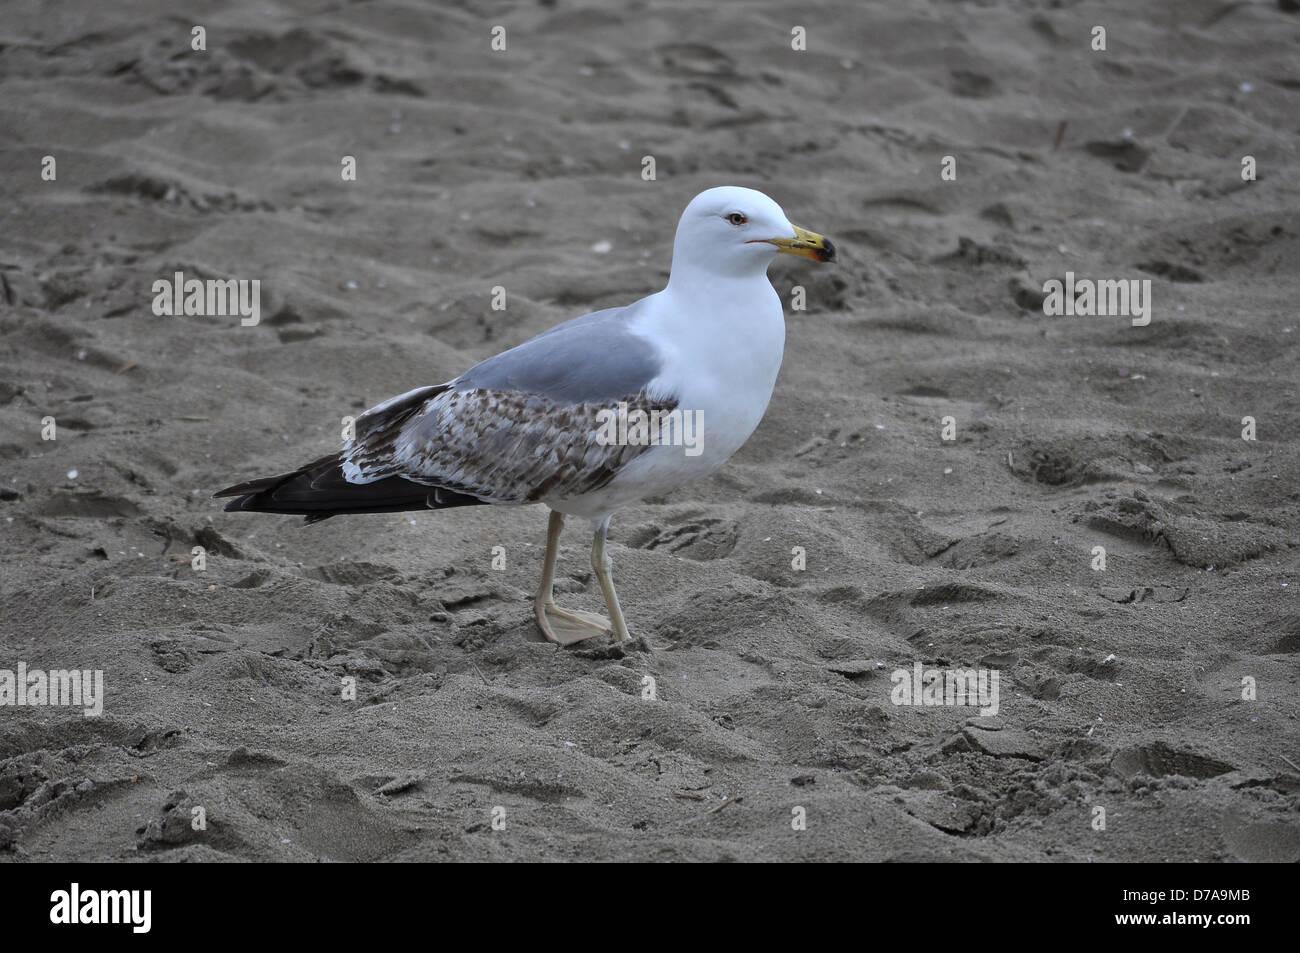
(596, 413)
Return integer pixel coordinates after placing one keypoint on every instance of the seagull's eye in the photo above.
(736, 218)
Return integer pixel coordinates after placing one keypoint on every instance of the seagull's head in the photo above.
(737, 232)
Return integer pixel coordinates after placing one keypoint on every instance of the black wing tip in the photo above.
(246, 503)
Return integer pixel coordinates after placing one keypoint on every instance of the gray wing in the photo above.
(519, 427)
(594, 357)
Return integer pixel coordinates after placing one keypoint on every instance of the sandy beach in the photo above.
(848, 541)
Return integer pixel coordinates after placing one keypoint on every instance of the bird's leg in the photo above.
(604, 567)
(562, 626)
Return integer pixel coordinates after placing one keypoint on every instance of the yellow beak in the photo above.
(805, 244)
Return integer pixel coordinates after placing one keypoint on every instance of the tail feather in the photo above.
(319, 490)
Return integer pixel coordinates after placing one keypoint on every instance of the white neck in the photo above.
(688, 271)
(701, 315)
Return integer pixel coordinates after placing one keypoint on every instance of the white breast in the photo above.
(725, 363)
(721, 360)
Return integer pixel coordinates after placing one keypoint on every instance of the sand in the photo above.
(469, 737)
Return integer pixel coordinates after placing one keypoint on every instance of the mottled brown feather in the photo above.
(498, 446)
